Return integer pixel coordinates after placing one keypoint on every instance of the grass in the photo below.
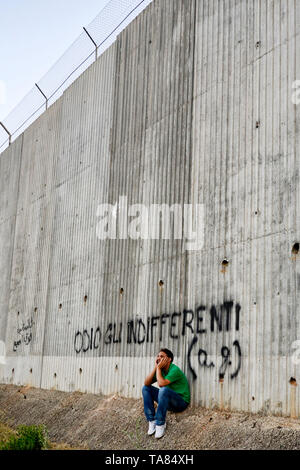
(5, 432)
(25, 438)
(28, 438)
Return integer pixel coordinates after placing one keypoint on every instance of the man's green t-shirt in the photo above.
(179, 383)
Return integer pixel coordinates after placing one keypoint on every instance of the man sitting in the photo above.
(173, 394)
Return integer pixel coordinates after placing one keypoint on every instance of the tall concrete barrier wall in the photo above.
(195, 103)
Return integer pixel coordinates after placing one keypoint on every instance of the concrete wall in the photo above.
(192, 104)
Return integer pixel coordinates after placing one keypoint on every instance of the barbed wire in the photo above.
(87, 47)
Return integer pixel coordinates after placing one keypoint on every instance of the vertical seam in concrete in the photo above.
(186, 258)
(50, 247)
(14, 231)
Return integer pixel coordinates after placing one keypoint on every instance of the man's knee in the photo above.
(146, 389)
(163, 392)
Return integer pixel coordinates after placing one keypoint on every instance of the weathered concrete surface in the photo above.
(96, 422)
(192, 104)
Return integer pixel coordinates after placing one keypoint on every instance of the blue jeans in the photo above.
(167, 400)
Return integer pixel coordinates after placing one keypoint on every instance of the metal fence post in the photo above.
(95, 44)
(42, 94)
(9, 134)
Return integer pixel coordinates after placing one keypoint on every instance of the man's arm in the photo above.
(149, 379)
(160, 380)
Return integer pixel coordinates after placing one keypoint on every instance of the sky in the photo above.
(33, 35)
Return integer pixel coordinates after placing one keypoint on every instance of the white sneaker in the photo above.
(152, 427)
(160, 431)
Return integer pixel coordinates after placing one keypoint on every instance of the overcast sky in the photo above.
(33, 35)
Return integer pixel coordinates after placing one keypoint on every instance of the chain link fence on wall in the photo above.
(92, 42)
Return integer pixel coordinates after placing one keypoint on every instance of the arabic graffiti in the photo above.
(25, 333)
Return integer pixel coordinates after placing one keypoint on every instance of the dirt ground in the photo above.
(87, 421)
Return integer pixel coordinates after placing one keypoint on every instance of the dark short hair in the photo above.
(168, 353)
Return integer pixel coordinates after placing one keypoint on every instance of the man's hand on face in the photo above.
(161, 364)
(157, 361)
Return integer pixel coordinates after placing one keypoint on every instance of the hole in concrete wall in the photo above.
(293, 381)
(258, 44)
(116, 367)
(295, 249)
(55, 375)
(161, 283)
(60, 306)
(257, 125)
(121, 291)
(85, 298)
(80, 371)
(225, 262)
(13, 371)
(30, 371)
(35, 309)
(18, 313)
(253, 398)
